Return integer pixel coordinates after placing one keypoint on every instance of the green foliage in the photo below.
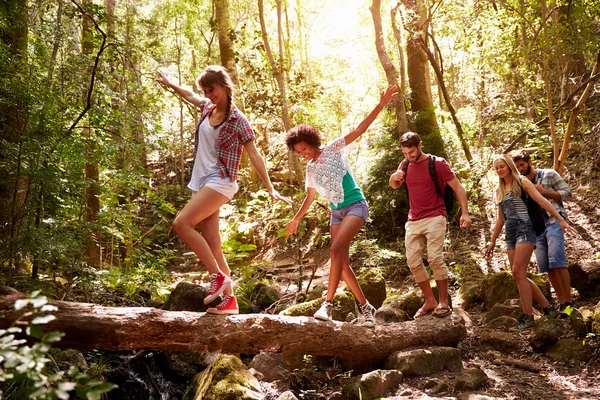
(25, 370)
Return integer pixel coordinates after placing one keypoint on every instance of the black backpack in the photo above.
(448, 196)
(537, 215)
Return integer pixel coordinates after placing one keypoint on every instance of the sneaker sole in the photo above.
(321, 318)
(212, 297)
(214, 311)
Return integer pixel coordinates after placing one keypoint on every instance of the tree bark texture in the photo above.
(425, 123)
(90, 326)
(389, 68)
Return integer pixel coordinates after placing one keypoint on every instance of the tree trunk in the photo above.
(92, 175)
(446, 96)
(425, 123)
(89, 326)
(388, 67)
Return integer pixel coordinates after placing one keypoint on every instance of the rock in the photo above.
(372, 284)
(570, 351)
(501, 310)
(425, 361)
(474, 396)
(470, 293)
(287, 396)
(500, 286)
(264, 295)
(271, 365)
(188, 297)
(585, 277)
(386, 315)
(257, 374)
(504, 322)
(187, 364)
(343, 303)
(471, 379)
(226, 379)
(317, 292)
(371, 385)
(582, 321)
(500, 341)
(547, 331)
(596, 320)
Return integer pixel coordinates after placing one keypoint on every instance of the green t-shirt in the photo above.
(352, 192)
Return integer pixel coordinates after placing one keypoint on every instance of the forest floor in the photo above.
(555, 380)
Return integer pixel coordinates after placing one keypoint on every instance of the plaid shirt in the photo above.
(550, 179)
(234, 132)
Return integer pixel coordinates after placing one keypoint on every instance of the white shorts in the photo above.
(218, 184)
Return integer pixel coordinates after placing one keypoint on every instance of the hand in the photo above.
(388, 94)
(490, 249)
(566, 227)
(277, 197)
(397, 179)
(291, 227)
(163, 79)
(465, 220)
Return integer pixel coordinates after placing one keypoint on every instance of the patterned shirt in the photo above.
(327, 172)
(235, 131)
(550, 179)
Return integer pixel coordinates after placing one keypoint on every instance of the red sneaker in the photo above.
(218, 283)
(228, 306)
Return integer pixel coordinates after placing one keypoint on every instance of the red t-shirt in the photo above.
(424, 201)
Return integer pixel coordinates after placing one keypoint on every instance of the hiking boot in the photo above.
(565, 310)
(365, 318)
(324, 312)
(550, 311)
(525, 322)
(228, 306)
(218, 283)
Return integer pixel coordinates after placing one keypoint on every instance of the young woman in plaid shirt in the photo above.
(221, 136)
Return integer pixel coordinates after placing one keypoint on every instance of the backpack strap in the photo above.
(434, 178)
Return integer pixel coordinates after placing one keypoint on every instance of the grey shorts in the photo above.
(360, 209)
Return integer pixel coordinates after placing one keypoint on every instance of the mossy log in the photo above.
(90, 326)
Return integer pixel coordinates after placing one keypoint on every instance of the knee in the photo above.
(337, 249)
(518, 274)
(180, 225)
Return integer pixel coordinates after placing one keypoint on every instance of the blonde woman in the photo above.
(520, 234)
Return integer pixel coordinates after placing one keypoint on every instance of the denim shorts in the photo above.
(518, 232)
(360, 209)
(550, 250)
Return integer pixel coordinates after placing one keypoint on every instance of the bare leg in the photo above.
(443, 292)
(430, 301)
(519, 259)
(341, 236)
(210, 231)
(201, 206)
(561, 282)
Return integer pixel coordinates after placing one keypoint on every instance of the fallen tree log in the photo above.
(90, 326)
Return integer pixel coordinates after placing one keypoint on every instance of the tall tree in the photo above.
(425, 123)
(389, 68)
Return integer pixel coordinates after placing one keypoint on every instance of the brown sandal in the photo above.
(442, 311)
(423, 312)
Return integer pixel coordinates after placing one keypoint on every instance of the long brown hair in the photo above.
(216, 75)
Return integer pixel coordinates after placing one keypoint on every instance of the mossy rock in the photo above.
(265, 295)
(317, 292)
(343, 304)
(187, 297)
(226, 379)
(372, 284)
(596, 320)
(471, 293)
(571, 351)
(500, 286)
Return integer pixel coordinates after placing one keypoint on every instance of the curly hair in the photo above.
(303, 133)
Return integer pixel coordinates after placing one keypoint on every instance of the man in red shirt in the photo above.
(427, 219)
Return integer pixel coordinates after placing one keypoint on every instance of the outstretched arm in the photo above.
(292, 226)
(259, 165)
(188, 95)
(386, 97)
